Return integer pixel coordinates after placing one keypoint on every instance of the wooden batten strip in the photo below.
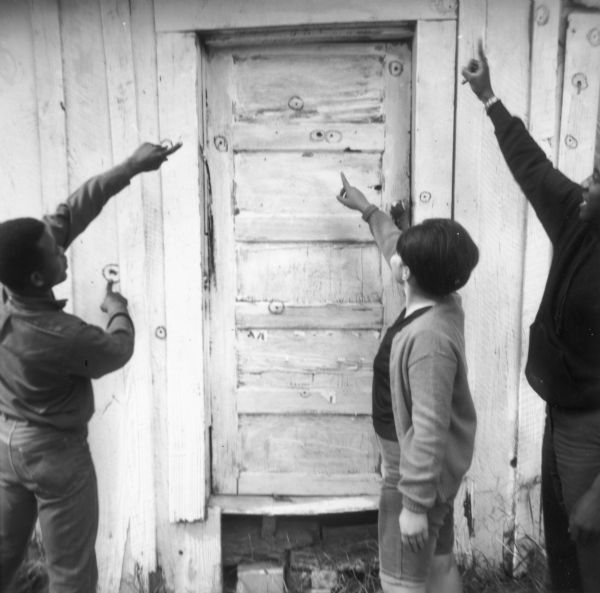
(137, 480)
(305, 505)
(580, 96)
(395, 165)
(51, 115)
(275, 314)
(434, 51)
(310, 137)
(300, 484)
(223, 288)
(189, 15)
(266, 228)
(183, 231)
(296, 401)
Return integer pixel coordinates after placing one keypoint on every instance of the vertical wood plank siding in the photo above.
(82, 82)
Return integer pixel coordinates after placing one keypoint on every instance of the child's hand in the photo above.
(113, 301)
(414, 529)
(352, 197)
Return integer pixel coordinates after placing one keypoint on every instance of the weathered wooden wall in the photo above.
(82, 82)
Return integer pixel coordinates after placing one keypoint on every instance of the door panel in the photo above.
(298, 285)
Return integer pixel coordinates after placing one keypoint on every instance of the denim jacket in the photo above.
(47, 356)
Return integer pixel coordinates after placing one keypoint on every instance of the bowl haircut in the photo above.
(19, 251)
(440, 254)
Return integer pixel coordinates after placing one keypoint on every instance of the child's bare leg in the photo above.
(443, 575)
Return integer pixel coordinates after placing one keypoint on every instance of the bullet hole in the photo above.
(513, 462)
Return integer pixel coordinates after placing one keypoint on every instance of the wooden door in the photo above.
(297, 286)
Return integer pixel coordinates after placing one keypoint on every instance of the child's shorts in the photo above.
(397, 562)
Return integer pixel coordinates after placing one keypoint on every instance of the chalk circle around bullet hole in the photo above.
(296, 103)
(110, 272)
(317, 135)
(161, 332)
(333, 136)
(594, 36)
(276, 307)
(571, 141)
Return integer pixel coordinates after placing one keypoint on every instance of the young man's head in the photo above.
(438, 254)
(589, 209)
(30, 260)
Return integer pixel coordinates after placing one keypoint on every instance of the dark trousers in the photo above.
(48, 474)
(570, 463)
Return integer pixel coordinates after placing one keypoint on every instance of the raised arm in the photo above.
(382, 227)
(84, 204)
(553, 196)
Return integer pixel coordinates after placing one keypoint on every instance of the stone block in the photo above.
(260, 577)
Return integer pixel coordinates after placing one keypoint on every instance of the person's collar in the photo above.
(46, 302)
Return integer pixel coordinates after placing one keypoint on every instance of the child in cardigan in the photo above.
(423, 413)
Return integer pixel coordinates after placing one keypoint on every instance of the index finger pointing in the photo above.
(480, 50)
(173, 148)
(345, 182)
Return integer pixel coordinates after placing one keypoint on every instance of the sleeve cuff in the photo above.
(413, 506)
(369, 210)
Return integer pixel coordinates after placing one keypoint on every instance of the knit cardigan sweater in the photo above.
(434, 413)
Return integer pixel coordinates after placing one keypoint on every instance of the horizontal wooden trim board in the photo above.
(304, 484)
(276, 314)
(299, 35)
(209, 15)
(292, 505)
(310, 137)
(303, 401)
(269, 228)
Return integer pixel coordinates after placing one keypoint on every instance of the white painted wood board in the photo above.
(543, 125)
(137, 456)
(488, 202)
(303, 505)
(580, 96)
(207, 15)
(45, 25)
(178, 65)
(21, 175)
(434, 55)
(309, 484)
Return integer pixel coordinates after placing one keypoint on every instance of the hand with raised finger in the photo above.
(477, 74)
(414, 529)
(352, 197)
(149, 157)
(113, 301)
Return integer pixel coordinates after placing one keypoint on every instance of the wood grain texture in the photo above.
(492, 299)
(434, 51)
(88, 130)
(188, 452)
(544, 108)
(20, 178)
(293, 85)
(322, 273)
(51, 123)
(304, 505)
(219, 88)
(309, 484)
(189, 15)
(137, 480)
(275, 314)
(309, 137)
(580, 96)
(396, 158)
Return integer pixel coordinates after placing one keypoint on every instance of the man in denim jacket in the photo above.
(47, 361)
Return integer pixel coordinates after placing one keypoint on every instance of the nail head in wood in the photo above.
(395, 68)
(296, 103)
(542, 15)
(221, 143)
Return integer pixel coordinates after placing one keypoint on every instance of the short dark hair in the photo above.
(440, 254)
(19, 251)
